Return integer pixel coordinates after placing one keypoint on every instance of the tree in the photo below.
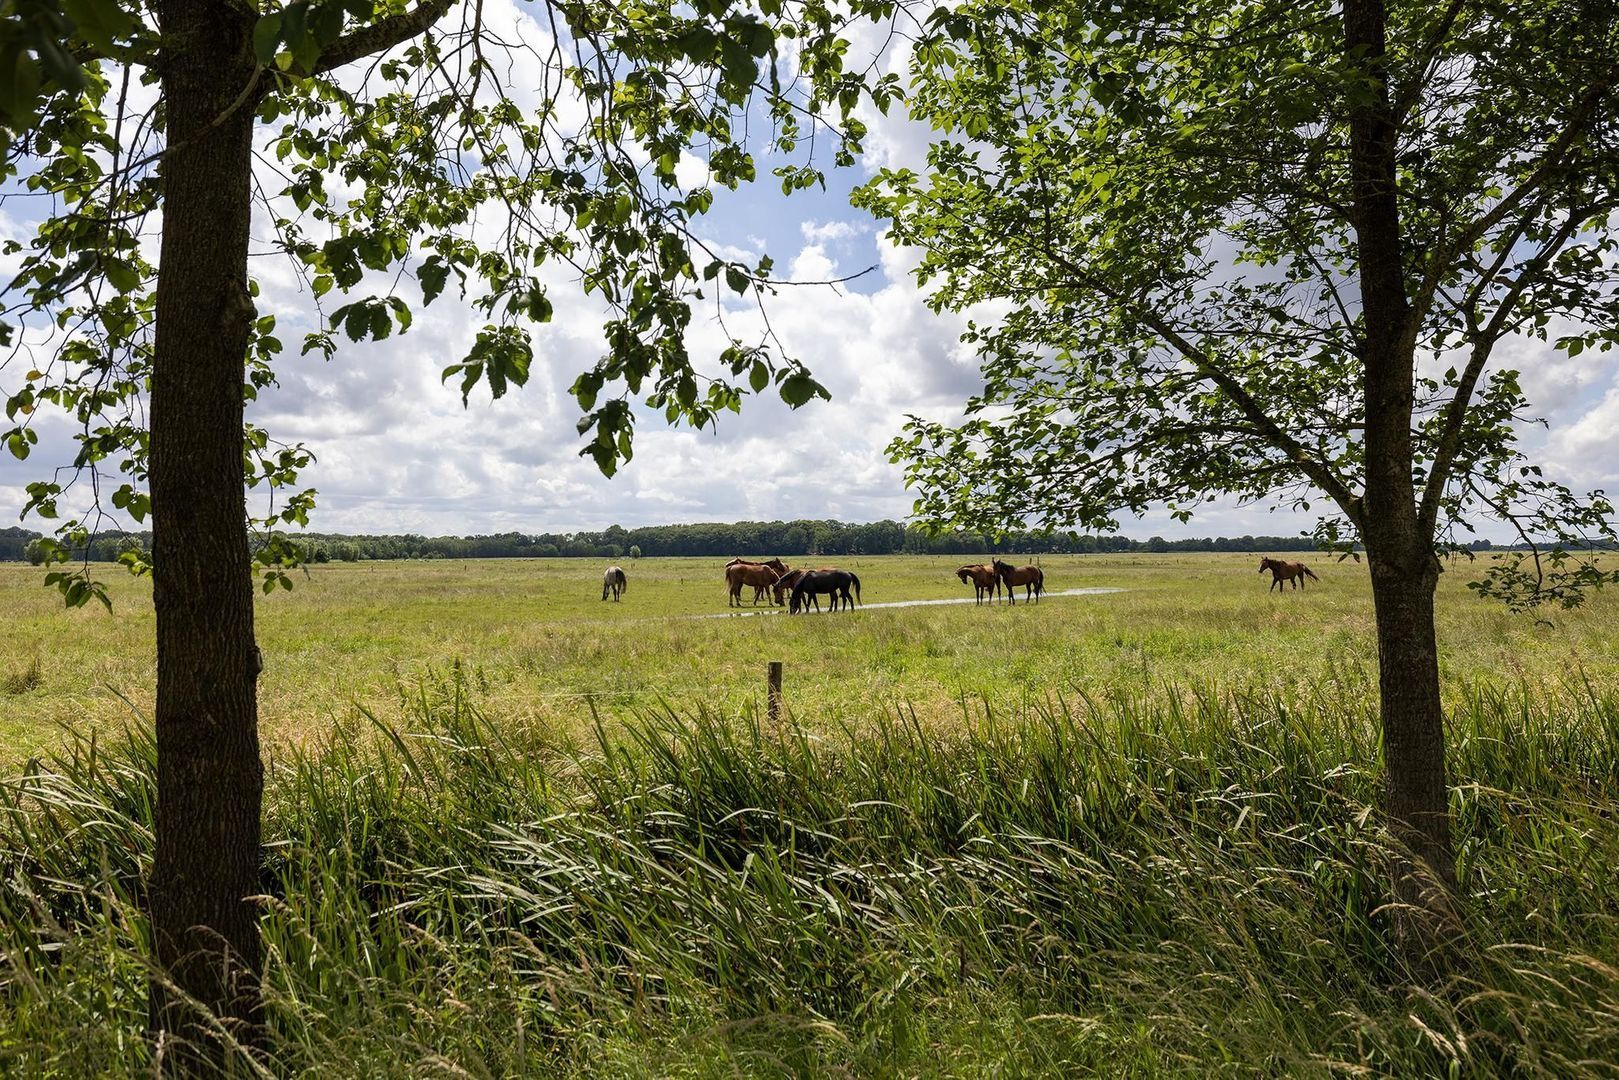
(450, 175)
(635, 551)
(1269, 249)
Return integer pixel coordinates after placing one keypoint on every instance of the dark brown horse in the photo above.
(785, 583)
(1281, 571)
(1032, 578)
(986, 582)
(837, 583)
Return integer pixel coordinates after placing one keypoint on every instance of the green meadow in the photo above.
(512, 830)
(540, 649)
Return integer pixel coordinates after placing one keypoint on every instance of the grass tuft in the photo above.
(20, 680)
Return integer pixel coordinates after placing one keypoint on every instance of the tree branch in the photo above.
(1456, 411)
(1317, 471)
(379, 37)
(1406, 97)
(1586, 110)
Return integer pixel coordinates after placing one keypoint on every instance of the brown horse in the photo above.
(1281, 571)
(1032, 578)
(759, 586)
(986, 582)
(759, 575)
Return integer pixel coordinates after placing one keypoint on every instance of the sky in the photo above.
(397, 451)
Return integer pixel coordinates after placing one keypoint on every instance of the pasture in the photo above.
(1123, 834)
(540, 650)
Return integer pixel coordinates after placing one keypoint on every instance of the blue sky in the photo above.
(398, 452)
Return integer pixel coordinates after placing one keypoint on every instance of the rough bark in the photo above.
(1403, 566)
(1415, 794)
(209, 774)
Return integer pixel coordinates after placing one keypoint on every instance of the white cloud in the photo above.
(823, 232)
(1586, 451)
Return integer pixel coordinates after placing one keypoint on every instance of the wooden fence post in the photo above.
(773, 691)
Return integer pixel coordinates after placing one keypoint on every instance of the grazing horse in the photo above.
(758, 590)
(759, 575)
(784, 585)
(1281, 571)
(986, 582)
(614, 581)
(835, 582)
(1032, 578)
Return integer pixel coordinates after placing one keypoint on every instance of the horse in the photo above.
(614, 581)
(986, 581)
(1032, 578)
(1281, 571)
(784, 584)
(775, 564)
(835, 582)
(758, 590)
(760, 575)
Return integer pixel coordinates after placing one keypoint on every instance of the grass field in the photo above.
(540, 649)
(1130, 834)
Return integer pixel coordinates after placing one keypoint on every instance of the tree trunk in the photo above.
(1415, 793)
(209, 776)
(1403, 566)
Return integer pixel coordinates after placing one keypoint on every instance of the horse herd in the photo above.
(798, 589)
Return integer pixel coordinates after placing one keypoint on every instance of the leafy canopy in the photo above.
(1158, 197)
(405, 153)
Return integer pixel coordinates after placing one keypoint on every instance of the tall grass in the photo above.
(1185, 884)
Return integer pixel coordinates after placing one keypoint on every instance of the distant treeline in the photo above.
(763, 538)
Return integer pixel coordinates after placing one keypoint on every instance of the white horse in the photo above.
(613, 581)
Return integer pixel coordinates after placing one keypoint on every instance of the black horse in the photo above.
(835, 582)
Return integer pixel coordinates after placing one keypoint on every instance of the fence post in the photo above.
(773, 691)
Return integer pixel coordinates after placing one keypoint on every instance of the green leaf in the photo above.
(267, 36)
(431, 275)
(99, 22)
(798, 388)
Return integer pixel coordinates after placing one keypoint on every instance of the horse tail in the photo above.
(1039, 581)
(1307, 570)
(855, 581)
